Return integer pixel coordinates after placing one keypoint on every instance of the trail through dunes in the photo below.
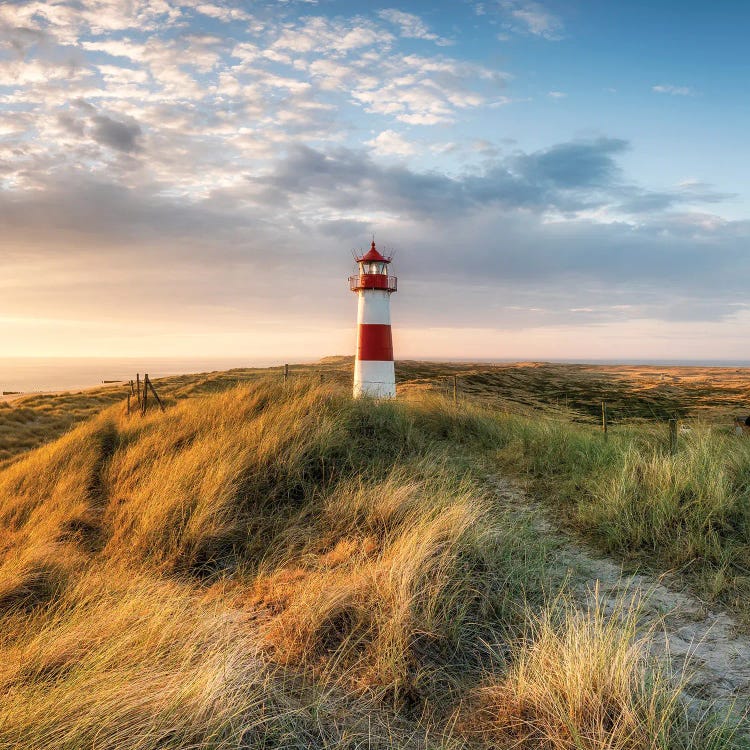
(704, 645)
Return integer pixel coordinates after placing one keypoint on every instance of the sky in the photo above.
(555, 178)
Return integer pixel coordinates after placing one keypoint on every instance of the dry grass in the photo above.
(31, 421)
(218, 573)
(563, 391)
(135, 665)
(271, 566)
(385, 599)
(581, 681)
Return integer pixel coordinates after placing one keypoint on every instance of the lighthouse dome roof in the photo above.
(373, 255)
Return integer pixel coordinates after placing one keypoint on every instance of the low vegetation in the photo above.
(277, 565)
(31, 421)
(548, 699)
(564, 391)
(686, 511)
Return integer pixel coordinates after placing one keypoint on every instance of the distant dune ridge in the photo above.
(273, 564)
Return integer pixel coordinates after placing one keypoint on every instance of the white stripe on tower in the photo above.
(374, 307)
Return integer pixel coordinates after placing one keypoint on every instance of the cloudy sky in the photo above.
(556, 178)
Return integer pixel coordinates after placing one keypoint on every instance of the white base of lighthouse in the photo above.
(373, 378)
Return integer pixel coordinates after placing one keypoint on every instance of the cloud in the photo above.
(568, 179)
(223, 13)
(391, 143)
(317, 34)
(556, 94)
(573, 165)
(532, 18)
(341, 184)
(411, 26)
(666, 88)
(471, 241)
(122, 136)
(420, 90)
(691, 192)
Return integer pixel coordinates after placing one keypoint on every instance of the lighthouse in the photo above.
(374, 374)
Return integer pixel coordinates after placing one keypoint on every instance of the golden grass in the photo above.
(374, 598)
(131, 665)
(279, 566)
(581, 681)
(32, 421)
(230, 492)
(563, 391)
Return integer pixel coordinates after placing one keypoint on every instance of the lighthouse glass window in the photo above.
(376, 268)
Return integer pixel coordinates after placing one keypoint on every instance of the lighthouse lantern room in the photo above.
(374, 373)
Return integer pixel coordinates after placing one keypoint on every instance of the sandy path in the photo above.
(703, 643)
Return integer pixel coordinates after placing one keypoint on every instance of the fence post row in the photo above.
(142, 395)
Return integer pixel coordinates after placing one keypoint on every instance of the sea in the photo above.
(34, 374)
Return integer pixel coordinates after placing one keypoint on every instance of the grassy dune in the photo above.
(34, 420)
(270, 565)
(561, 391)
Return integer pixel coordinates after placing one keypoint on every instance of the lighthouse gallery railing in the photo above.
(373, 281)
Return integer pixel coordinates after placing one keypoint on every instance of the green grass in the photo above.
(687, 512)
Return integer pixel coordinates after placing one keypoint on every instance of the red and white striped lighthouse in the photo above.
(374, 374)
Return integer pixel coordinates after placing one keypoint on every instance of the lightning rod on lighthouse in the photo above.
(374, 373)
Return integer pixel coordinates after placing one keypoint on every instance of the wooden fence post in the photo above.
(153, 390)
(604, 419)
(286, 373)
(673, 436)
(455, 389)
(144, 404)
(138, 389)
(129, 403)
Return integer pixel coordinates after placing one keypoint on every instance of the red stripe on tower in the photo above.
(375, 342)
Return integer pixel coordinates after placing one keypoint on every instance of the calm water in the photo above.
(50, 374)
